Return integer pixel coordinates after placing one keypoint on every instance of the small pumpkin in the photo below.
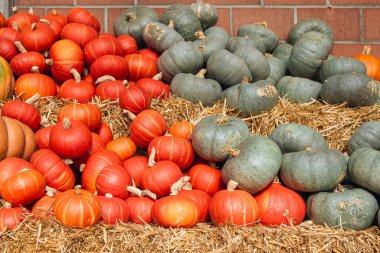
(154, 87)
(114, 210)
(261, 30)
(98, 47)
(135, 166)
(11, 217)
(149, 53)
(298, 89)
(82, 16)
(182, 129)
(134, 99)
(44, 207)
(341, 65)
(140, 66)
(54, 15)
(372, 63)
(88, 114)
(37, 37)
(77, 89)
(112, 65)
(123, 147)
(23, 62)
(366, 135)
(140, 205)
(128, 44)
(105, 132)
(206, 13)
(206, 178)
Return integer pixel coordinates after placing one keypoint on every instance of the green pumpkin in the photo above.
(196, 88)
(364, 169)
(355, 89)
(269, 37)
(378, 87)
(217, 32)
(282, 52)
(367, 135)
(298, 89)
(182, 57)
(236, 42)
(251, 98)
(308, 25)
(308, 54)
(214, 136)
(206, 13)
(254, 164)
(277, 69)
(313, 170)
(350, 208)
(211, 43)
(133, 22)
(293, 137)
(341, 65)
(256, 62)
(184, 19)
(227, 68)
(160, 37)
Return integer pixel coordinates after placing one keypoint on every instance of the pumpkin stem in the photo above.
(108, 195)
(339, 188)
(105, 78)
(20, 47)
(76, 75)
(309, 150)
(232, 185)
(234, 152)
(130, 17)
(15, 26)
(77, 189)
(200, 35)
(367, 50)
(68, 161)
(30, 11)
(212, 164)
(171, 24)
(66, 123)
(33, 98)
(201, 73)
(14, 9)
(149, 194)
(130, 114)
(35, 70)
(50, 192)
(268, 55)
(263, 24)
(33, 26)
(202, 47)
(276, 180)
(45, 54)
(134, 190)
(85, 71)
(157, 76)
(54, 12)
(49, 62)
(151, 161)
(44, 21)
(245, 80)
(6, 204)
(81, 167)
(222, 120)
(178, 186)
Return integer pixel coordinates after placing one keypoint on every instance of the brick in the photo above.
(38, 11)
(371, 23)
(280, 20)
(234, 2)
(345, 22)
(105, 2)
(163, 2)
(43, 2)
(224, 19)
(348, 50)
(295, 2)
(354, 2)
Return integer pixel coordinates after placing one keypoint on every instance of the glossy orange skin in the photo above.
(140, 66)
(23, 112)
(89, 114)
(140, 209)
(135, 166)
(22, 19)
(110, 90)
(32, 83)
(23, 63)
(154, 88)
(134, 99)
(124, 147)
(56, 16)
(114, 210)
(128, 44)
(372, 63)
(97, 144)
(150, 53)
(201, 199)
(39, 39)
(101, 46)
(206, 178)
(112, 65)
(81, 91)
(7, 50)
(10, 218)
(42, 136)
(79, 33)
(182, 129)
(105, 132)
(83, 16)
(44, 207)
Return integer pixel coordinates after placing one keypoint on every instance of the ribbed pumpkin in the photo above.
(235, 207)
(114, 210)
(280, 205)
(97, 144)
(282, 52)
(83, 16)
(372, 63)
(21, 19)
(54, 15)
(56, 172)
(149, 53)
(105, 132)
(10, 33)
(112, 65)
(11, 217)
(124, 147)
(307, 25)
(298, 89)
(235, 43)
(206, 178)
(3, 20)
(341, 65)
(77, 208)
(42, 137)
(256, 62)
(23, 62)
(154, 86)
(366, 135)
(44, 207)
(171, 148)
(277, 69)
(37, 37)
(95, 163)
(56, 26)
(77, 89)
(128, 44)
(206, 13)
(260, 30)
(140, 206)
(7, 49)
(17, 139)
(134, 99)
(88, 114)
(211, 43)
(147, 125)
(140, 66)
(101, 46)
(135, 166)
(182, 129)
(6, 79)
(109, 88)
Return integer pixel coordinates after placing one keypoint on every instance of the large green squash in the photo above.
(160, 37)
(185, 21)
(254, 164)
(206, 13)
(235, 42)
(227, 68)
(378, 87)
(298, 89)
(308, 25)
(367, 135)
(211, 43)
(308, 54)
(364, 169)
(215, 136)
(353, 88)
(350, 208)
(251, 98)
(313, 170)
(282, 52)
(182, 57)
(196, 88)
(269, 37)
(341, 65)
(277, 69)
(256, 62)
(217, 32)
(133, 22)
(293, 137)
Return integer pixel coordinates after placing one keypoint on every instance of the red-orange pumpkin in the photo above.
(77, 208)
(3, 20)
(11, 217)
(105, 132)
(37, 37)
(112, 65)
(44, 207)
(21, 19)
(23, 63)
(236, 207)
(206, 178)
(135, 166)
(134, 99)
(101, 46)
(57, 27)
(140, 206)
(7, 49)
(153, 55)
(76, 89)
(89, 114)
(54, 15)
(8, 33)
(182, 129)
(97, 144)
(109, 88)
(128, 44)
(114, 210)
(154, 87)
(42, 136)
(124, 147)
(140, 66)
(79, 33)
(83, 16)
(280, 205)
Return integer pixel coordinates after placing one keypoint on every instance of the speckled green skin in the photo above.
(160, 37)
(212, 141)
(256, 62)
(208, 46)
(196, 89)
(308, 25)
(206, 13)
(255, 166)
(341, 65)
(277, 69)
(227, 68)
(135, 27)
(269, 37)
(364, 169)
(313, 171)
(217, 32)
(293, 137)
(182, 57)
(354, 88)
(355, 209)
(252, 98)
(367, 135)
(298, 89)
(282, 52)
(308, 54)
(235, 42)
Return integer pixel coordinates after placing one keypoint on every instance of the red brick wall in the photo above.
(355, 22)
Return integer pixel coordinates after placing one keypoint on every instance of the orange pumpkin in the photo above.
(182, 129)
(89, 114)
(124, 147)
(44, 207)
(11, 217)
(372, 63)
(140, 206)
(6, 80)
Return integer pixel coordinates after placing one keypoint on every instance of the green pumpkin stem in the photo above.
(20, 47)
(33, 98)
(104, 79)
(201, 73)
(231, 186)
(66, 123)
(178, 186)
(76, 75)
